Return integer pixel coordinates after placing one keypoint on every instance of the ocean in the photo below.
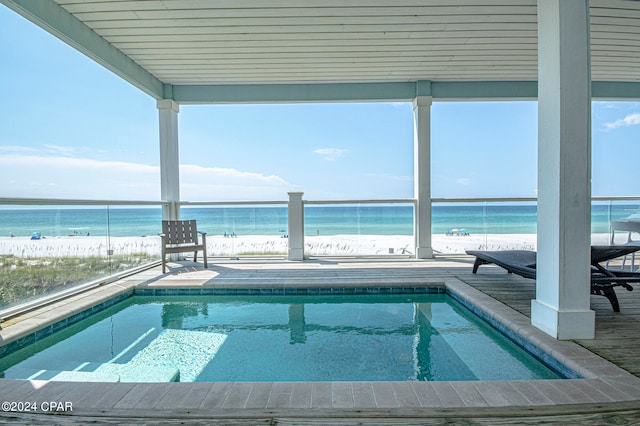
(478, 218)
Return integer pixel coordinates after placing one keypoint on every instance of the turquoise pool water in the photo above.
(278, 338)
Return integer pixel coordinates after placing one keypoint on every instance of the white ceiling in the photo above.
(214, 42)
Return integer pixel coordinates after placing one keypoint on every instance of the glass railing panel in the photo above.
(483, 225)
(605, 213)
(241, 230)
(601, 217)
(512, 224)
(132, 236)
(366, 229)
(45, 249)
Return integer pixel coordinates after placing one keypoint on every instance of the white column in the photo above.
(422, 175)
(169, 159)
(562, 304)
(296, 226)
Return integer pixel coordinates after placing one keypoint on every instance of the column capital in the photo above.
(422, 101)
(168, 104)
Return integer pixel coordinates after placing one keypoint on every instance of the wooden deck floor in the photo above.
(617, 336)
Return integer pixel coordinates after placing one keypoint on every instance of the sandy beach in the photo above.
(335, 245)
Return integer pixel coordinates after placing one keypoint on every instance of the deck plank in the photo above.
(259, 395)
(194, 398)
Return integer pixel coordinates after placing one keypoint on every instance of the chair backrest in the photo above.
(180, 231)
(628, 226)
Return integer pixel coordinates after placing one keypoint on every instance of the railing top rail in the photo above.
(617, 198)
(483, 200)
(68, 202)
(379, 201)
(530, 199)
(229, 203)
(76, 202)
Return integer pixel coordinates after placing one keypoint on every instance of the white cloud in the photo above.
(82, 178)
(629, 120)
(59, 150)
(18, 149)
(238, 177)
(387, 176)
(44, 150)
(465, 181)
(606, 104)
(77, 178)
(330, 154)
(215, 183)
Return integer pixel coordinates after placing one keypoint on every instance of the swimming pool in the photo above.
(405, 337)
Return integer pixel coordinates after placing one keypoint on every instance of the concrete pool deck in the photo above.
(605, 389)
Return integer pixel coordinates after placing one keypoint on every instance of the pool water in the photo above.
(278, 338)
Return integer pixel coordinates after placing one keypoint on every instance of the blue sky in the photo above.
(71, 129)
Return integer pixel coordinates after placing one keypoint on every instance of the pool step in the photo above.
(96, 372)
(136, 373)
(23, 373)
(189, 351)
(83, 376)
(172, 356)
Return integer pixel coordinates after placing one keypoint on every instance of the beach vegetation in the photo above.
(260, 253)
(23, 279)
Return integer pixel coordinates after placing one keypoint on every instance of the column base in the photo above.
(563, 325)
(296, 254)
(424, 253)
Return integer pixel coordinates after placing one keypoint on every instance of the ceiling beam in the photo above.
(353, 92)
(51, 17)
(615, 90)
(284, 93)
(383, 92)
(484, 90)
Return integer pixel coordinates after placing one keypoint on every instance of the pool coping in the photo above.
(602, 382)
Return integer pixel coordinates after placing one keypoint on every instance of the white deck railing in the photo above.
(357, 239)
(310, 243)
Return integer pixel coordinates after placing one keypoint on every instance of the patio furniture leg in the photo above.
(609, 293)
(477, 264)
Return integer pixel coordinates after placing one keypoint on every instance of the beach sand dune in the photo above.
(335, 245)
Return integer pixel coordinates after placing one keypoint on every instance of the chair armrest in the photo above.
(202, 233)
